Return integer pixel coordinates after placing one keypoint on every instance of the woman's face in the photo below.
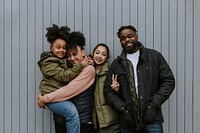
(58, 48)
(75, 56)
(100, 55)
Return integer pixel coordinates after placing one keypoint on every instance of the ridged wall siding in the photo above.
(169, 26)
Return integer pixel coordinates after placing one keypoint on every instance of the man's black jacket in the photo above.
(155, 84)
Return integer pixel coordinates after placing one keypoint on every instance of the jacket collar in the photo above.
(104, 68)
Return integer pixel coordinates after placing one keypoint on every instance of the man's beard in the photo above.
(133, 48)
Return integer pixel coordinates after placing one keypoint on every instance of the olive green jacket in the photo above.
(55, 72)
(103, 113)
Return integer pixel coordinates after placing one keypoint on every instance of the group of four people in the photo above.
(87, 95)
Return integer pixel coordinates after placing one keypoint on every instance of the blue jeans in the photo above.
(68, 110)
(152, 128)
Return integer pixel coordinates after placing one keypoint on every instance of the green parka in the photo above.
(103, 113)
(55, 72)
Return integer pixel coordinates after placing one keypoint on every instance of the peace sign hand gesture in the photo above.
(115, 85)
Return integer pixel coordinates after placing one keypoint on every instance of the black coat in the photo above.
(155, 84)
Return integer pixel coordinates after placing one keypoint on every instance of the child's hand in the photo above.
(41, 102)
(90, 60)
(87, 61)
(115, 85)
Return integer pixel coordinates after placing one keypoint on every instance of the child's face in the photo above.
(58, 48)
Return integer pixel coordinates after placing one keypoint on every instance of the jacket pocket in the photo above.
(150, 113)
(126, 119)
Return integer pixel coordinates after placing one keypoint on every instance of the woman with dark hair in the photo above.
(80, 90)
(105, 118)
(56, 74)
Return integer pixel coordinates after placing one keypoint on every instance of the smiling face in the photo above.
(129, 40)
(58, 48)
(100, 55)
(75, 55)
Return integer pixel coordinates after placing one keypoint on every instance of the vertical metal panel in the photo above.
(86, 24)
(23, 57)
(141, 20)
(62, 17)
(125, 9)
(54, 11)
(101, 21)
(71, 14)
(109, 26)
(196, 66)
(78, 16)
(7, 67)
(149, 24)
(2, 66)
(134, 11)
(15, 66)
(31, 66)
(170, 26)
(181, 64)
(189, 62)
(165, 51)
(117, 23)
(172, 123)
(46, 21)
(94, 23)
(157, 25)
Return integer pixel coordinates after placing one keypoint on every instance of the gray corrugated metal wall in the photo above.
(169, 26)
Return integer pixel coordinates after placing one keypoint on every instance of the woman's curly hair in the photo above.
(76, 39)
(55, 32)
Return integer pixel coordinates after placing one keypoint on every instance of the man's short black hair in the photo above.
(126, 27)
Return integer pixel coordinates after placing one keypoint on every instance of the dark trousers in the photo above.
(59, 122)
(60, 127)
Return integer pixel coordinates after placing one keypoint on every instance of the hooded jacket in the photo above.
(55, 72)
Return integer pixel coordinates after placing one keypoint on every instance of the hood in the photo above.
(43, 56)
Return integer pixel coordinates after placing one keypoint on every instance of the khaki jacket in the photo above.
(55, 72)
(103, 113)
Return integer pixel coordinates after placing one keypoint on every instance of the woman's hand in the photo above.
(115, 85)
(41, 102)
